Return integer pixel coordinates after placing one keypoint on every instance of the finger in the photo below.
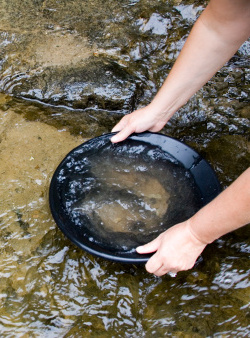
(122, 135)
(149, 247)
(160, 272)
(154, 264)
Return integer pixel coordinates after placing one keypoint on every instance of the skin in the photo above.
(178, 248)
(218, 33)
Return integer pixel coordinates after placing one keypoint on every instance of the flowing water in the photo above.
(124, 196)
(68, 71)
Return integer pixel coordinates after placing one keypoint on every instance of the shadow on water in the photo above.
(69, 71)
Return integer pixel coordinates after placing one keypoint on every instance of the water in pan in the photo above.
(130, 194)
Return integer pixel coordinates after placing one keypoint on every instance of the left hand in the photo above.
(144, 119)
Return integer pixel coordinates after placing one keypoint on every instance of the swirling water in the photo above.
(69, 72)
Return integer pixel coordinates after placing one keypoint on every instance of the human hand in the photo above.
(177, 249)
(144, 119)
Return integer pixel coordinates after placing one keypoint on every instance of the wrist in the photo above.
(195, 234)
(162, 109)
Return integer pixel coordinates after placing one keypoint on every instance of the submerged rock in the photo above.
(110, 60)
(30, 152)
(98, 83)
(48, 57)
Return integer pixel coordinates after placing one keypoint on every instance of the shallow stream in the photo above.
(68, 71)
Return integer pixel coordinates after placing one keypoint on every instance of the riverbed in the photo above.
(69, 71)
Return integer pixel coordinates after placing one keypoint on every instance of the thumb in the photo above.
(149, 247)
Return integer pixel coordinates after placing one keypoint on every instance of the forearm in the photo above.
(227, 212)
(218, 33)
(213, 40)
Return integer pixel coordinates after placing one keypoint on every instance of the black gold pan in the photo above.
(109, 198)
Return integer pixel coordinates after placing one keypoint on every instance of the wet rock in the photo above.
(62, 69)
(245, 112)
(47, 55)
(47, 52)
(225, 151)
(98, 84)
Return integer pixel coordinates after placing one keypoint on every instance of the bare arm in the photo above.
(218, 33)
(228, 212)
(178, 248)
(221, 29)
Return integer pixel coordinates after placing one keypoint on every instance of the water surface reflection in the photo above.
(56, 59)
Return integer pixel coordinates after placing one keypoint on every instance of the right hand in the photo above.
(176, 249)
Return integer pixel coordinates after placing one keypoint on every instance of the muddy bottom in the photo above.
(49, 287)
